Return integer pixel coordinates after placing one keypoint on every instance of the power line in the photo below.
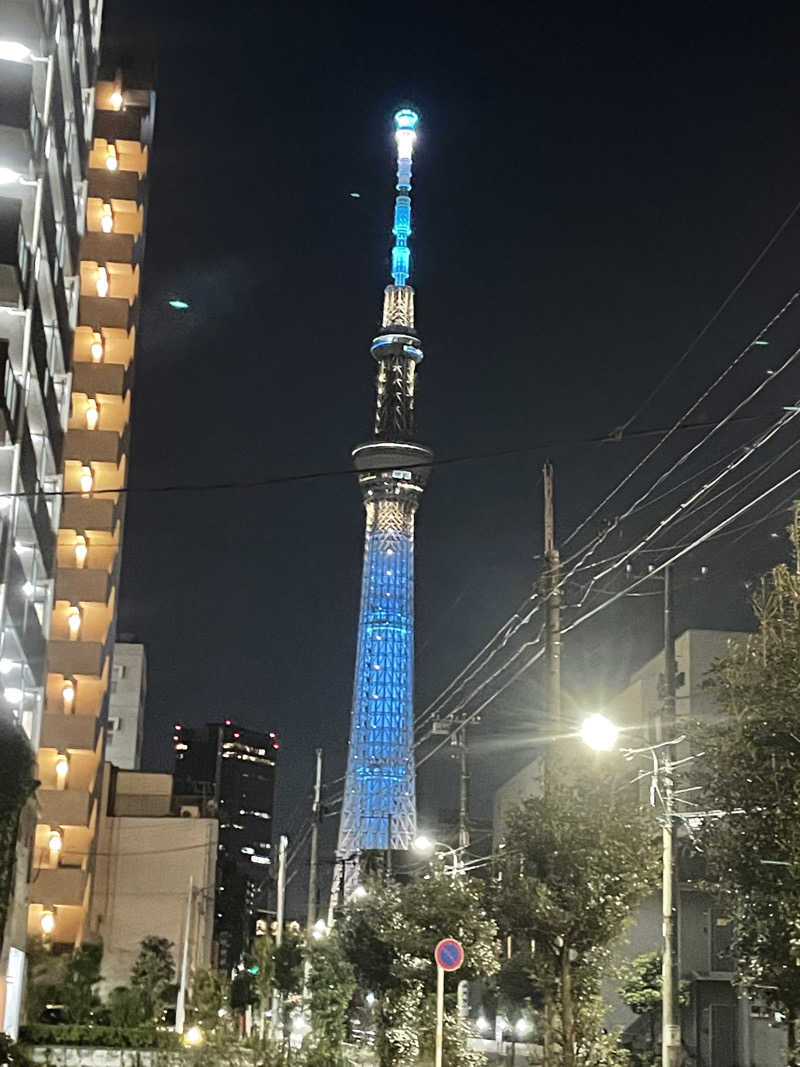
(679, 424)
(305, 476)
(698, 337)
(612, 598)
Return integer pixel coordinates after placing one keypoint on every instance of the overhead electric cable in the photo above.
(680, 424)
(591, 613)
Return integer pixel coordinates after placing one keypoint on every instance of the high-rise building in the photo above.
(48, 61)
(94, 471)
(125, 726)
(379, 806)
(233, 771)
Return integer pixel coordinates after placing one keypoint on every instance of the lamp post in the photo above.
(600, 734)
(425, 845)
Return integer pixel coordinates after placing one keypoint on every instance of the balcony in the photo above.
(78, 585)
(121, 184)
(116, 247)
(14, 255)
(75, 657)
(56, 886)
(94, 379)
(90, 513)
(22, 616)
(65, 807)
(34, 517)
(109, 311)
(95, 446)
(20, 126)
(74, 732)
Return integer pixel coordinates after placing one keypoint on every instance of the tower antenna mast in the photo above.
(379, 806)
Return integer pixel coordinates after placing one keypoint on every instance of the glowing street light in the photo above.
(9, 176)
(359, 892)
(425, 845)
(599, 733)
(14, 51)
(194, 1037)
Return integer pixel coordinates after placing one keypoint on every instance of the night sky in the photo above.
(587, 191)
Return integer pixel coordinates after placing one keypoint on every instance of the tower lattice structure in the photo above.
(379, 804)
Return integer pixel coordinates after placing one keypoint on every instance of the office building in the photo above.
(94, 472)
(48, 59)
(150, 857)
(379, 805)
(125, 726)
(231, 770)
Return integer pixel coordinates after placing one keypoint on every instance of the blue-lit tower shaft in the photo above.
(379, 804)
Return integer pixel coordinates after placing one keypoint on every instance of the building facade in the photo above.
(94, 470)
(231, 772)
(719, 1026)
(151, 860)
(125, 726)
(379, 805)
(48, 68)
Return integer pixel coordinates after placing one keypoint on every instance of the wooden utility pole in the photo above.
(552, 603)
(316, 819)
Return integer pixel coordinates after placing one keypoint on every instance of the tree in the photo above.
(127, 1007)
(288, 963)
(641, 991)
(750, 772)
(210, 1000)
(576, 863)
(153, 972)
(81, 975)
(16, 786)
(389, 937)
(261, 964)
(331, 984)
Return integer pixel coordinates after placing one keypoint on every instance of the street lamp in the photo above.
(601, 734)
(425, 845)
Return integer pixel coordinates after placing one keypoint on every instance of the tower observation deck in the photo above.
(379, 804)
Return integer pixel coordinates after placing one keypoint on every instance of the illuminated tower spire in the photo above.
(379, 805)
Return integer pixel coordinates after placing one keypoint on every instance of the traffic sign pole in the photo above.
(439, 1014)
(448, 955)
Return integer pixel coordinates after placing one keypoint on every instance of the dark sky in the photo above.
(588, 188)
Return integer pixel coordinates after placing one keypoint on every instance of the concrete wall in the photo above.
(144, 865)
(126, 706)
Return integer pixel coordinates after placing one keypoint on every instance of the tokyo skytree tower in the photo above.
(379, 804)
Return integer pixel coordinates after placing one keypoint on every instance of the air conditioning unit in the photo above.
(189, 811)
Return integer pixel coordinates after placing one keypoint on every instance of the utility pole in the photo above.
(552, 628)
(463, 798)
(552, 595)
(670, 1019)
(180, 1006)
(316, 819)
(283, 845)
(388, 860)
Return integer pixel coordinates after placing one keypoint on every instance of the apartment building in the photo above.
(94, 473)
(48, 68)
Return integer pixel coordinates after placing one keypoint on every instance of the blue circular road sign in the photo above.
(449, 954)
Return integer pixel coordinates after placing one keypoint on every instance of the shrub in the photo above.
(99, 1036)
